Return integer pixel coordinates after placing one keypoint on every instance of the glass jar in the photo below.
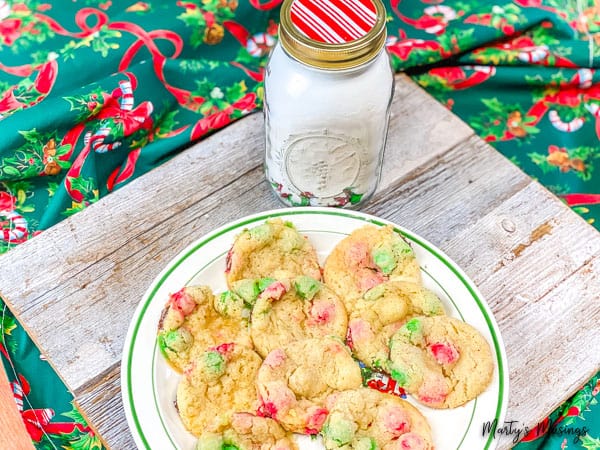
(328, 89)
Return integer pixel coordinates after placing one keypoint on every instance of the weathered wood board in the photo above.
(76, 285)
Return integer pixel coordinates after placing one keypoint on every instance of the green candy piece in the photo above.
(413, 330)
(306, 287)
(230, 447)
(247, 289)
(264, 283)
(175, 341)
(230, 304)
(365, 443)
(399, 376)
(214, 362)
(210, 442)
(339, 430)
(375, 293)
(260, 232)
(384, 258)
(413, 325)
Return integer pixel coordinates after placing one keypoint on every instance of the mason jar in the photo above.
(328, 89)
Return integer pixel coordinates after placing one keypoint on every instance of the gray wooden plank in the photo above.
(438, 181)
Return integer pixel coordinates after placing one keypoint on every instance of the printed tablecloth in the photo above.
(94, 94)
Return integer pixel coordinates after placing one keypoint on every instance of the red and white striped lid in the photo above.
(333, 21)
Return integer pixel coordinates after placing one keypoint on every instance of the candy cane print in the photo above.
(446, 12)
(126, 101)
(4, 9)
(260, 44)
(19, 227)
(18, 395)
(585, 78)
(568, 127)
(594, 108)
(97, 140)
(534, 54)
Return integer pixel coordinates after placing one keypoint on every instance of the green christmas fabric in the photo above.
(94, 94)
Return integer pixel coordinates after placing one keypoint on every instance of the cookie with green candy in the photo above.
(240, 299)
(441, 361)
(215, 385)
(295, 381)
(381, 311)
(365, 419)
(249, 432)
(369, 256)
(268, 250)
(194, 319)
(295, 309)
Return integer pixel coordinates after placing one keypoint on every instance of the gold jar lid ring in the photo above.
(332, 34)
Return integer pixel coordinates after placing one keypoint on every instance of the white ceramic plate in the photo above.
(149, 384)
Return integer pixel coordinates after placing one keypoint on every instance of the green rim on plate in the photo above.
(186, 253)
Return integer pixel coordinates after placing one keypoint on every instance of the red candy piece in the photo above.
(412, 441)
(315, 421)
(224, 349)
(397, 421)
(321, 313)
(182, 302)
(275, 290)
(267, 409)
(444, 353)
(228, 260)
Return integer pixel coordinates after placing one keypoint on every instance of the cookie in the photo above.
(368, 419)
(381, 311)
(296, 309)
(366, 258)
(191, 322)
(294, 382)
(240, 299)
(215, 385)
(442, 361)
(273, 249)
(248, 432)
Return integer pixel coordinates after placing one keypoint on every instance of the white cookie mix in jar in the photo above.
(328, 90)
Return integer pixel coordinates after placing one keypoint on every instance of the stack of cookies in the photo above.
(280, 352)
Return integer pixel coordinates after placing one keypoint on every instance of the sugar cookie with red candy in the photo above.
(269, 249)
(296, 309)
(367, 419)
(442, 361)
(380, 312)
(366, 258)
(191, 322)
(215, 385)
(249, 432)
(294, 382)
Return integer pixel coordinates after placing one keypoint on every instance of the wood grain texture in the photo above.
(534, 260)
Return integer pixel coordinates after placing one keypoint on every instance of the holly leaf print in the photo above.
(541, 161)
(52, 188)
(590, 443)
(235, 92)
(205, 19)
(166, 124)
(100, 42)
(83, 441)
(8, 323)
(86, 105)
(75, 415)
